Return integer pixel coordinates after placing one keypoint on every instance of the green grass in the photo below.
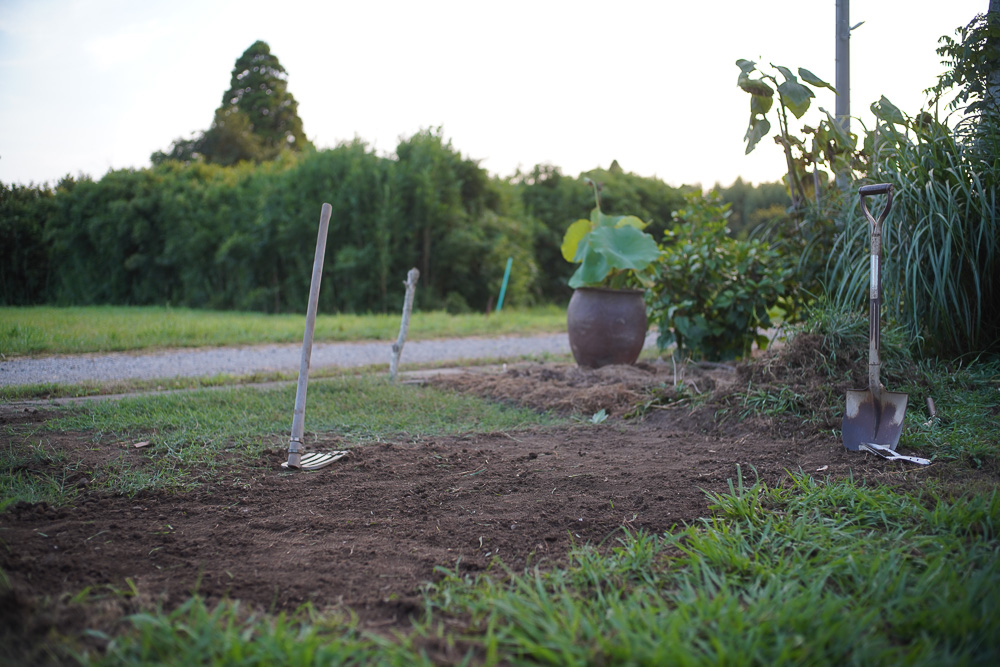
(197, 433)
(814, 572)
(33, 473)
(196, 634)
(51, 330)
(967, 425)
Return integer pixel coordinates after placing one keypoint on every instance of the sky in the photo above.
(92, 85)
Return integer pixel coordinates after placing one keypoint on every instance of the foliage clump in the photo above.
(941, 242)
(711, 293)
(612, 251)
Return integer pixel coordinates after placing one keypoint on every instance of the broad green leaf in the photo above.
(754, 86)
(759, 127)
(888, 111)
(620, 220)
(592, 270)
(624, 247)
(604, 220)
(787, 73)
(631, 221)
(746, 66)
(795, 96)
(596, 216)
(571, 240)
(843, 138)
(761, 104)
(814, 80)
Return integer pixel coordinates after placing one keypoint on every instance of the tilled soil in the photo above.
(364, 534)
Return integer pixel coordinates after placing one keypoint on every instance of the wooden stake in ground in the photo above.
(397, 348)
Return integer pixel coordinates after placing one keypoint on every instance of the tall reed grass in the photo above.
(941, 241)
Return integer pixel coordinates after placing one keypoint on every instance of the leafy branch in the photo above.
(831, 144)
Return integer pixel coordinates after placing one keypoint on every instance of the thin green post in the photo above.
(503, 287)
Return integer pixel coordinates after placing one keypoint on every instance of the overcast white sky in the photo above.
(92, 85)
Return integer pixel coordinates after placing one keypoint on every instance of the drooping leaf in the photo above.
(796, 97)
(746, 66)
(888, 111)
(848, 139)
(755, 86)
(759, 127)
(814, 80)
(571, 240)
(761, 104)
(787, 73)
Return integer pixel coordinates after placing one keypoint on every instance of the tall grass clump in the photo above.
(941, 274)
(941, 242)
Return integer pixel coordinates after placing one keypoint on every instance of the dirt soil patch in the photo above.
(366, 532)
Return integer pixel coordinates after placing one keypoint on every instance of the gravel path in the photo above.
(68, 369)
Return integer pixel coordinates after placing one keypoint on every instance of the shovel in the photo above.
(874, 415)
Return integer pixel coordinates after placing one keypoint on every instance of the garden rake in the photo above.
(313, 460)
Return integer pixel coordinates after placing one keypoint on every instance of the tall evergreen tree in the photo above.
(258, 117)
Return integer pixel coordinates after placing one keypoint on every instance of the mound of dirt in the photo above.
(567, 388)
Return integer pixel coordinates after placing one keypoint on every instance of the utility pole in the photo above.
(843, 81)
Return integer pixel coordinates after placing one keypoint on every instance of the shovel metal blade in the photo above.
(871, 420)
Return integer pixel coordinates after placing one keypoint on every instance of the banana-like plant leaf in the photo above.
(759, 127)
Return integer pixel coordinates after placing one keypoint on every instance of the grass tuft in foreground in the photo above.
(816, 573)
(32, 472)
(226, 634)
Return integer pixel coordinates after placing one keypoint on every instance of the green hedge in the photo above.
(243, 237)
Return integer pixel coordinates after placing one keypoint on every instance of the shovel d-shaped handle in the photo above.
(875, 281)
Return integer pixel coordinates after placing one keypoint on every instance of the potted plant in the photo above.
(606, 319)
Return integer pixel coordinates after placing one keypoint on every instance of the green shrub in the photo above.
(712, 293)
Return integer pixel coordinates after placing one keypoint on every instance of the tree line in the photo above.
(241, 237)
(226, 219)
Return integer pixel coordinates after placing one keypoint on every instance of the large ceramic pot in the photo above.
(606, 326)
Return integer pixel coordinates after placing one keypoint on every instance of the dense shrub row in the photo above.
(242, 237)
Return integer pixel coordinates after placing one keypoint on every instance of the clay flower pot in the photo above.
(606, 326)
